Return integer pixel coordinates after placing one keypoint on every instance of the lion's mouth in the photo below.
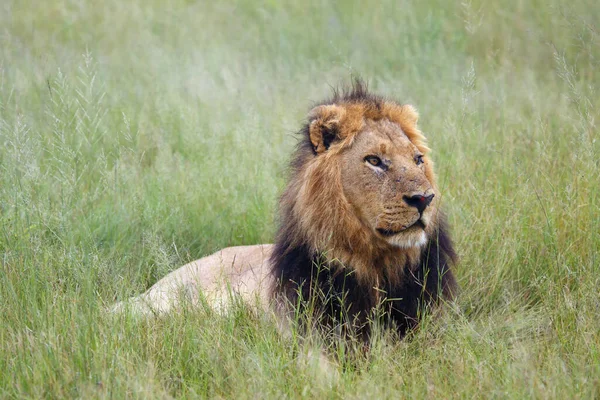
(392, 232)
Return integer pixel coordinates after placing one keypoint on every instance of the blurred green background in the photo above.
(138, 135)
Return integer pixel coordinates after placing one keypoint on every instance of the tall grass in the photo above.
(136, 136)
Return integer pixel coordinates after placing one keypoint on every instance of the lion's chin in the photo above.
(408, 240)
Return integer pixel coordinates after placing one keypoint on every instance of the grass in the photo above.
(136, 136)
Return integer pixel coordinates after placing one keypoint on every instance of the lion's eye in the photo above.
(419, 159)
(374, 161)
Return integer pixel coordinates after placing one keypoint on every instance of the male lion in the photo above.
(360, 233)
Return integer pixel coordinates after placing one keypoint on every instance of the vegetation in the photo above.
(138, 135)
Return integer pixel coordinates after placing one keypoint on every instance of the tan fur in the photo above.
(242, 271)
(339, 202)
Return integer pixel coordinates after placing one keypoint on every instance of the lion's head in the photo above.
(362, 188)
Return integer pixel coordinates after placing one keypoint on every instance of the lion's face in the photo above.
(384, 179)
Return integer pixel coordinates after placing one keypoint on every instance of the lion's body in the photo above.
(360, 230)
(242, 271)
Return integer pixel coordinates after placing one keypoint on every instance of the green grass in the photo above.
(138, 135)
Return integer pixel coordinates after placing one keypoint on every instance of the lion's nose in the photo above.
(418, 201)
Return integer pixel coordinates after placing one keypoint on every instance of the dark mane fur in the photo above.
(309, 281)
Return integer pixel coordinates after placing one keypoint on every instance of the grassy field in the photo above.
(138, 135)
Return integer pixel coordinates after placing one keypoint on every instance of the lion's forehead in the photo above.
(384, 137)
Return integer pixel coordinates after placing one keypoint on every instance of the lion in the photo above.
(360, 237)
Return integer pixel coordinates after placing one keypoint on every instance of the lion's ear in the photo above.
(324, 126)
